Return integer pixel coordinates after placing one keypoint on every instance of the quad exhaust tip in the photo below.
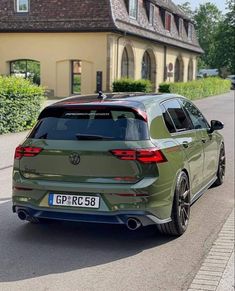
(133, 223)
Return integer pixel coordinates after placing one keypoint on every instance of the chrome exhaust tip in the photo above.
(133, 224)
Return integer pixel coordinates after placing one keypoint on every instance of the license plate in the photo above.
(74, 201)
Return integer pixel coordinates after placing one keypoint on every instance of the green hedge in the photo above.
(197, 89)
(130, 85)
(20, 104)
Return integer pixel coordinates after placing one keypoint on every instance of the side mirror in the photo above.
(216, 125)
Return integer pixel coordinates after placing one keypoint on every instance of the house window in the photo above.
(151, 14)
(179, 70)
(125, 64)
(190, 31)
(133, 8)
(22, 5)
(168, 18)
(27, 69)
(181, 26)
(76, 70)
(146, 66)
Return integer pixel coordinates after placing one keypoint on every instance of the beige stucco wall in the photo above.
(55, 51)
(97, 51)
(185, 56)
(139, 47)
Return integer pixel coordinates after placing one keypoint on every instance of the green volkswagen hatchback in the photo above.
(136, 160)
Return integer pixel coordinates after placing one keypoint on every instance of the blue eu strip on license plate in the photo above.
(50, 199)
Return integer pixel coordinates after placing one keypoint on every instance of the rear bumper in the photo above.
(117, 217)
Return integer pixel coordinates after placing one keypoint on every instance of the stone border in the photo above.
(214, 265)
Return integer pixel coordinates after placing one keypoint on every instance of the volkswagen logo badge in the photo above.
(74, 159)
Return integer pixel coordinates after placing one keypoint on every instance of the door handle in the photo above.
(185, 144)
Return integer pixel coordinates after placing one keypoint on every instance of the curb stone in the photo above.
(217, 270)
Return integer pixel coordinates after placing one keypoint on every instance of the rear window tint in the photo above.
(91, 124)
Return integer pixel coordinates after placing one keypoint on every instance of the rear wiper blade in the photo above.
(93, 137)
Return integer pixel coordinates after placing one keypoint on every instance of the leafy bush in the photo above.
(197, 89)
(20, 104)
(164, 88)
(130, 85)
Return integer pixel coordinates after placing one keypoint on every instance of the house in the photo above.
(79, 46)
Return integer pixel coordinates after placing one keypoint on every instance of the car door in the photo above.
(208, 140)
(189, 139)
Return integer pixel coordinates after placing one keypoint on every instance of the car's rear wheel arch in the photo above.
(180, 170)
(181, 205)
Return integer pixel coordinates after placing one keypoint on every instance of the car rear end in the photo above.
(91, 163)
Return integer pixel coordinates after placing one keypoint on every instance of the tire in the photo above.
(221, 167)
(180, 210)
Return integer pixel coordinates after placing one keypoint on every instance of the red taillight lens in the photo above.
(145, 156)
(125, 154)
(21, 152)
(151, 156)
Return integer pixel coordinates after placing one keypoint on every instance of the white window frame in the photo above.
(151, 14)
(136, 4)
(181, 27)
(169, 14)
(18, 7)
(190, 32)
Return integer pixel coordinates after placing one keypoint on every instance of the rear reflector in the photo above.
(146, 156)
(132, 195)
(21, 152)
(126, 179)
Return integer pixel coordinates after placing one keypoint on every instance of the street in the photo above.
(71, 256)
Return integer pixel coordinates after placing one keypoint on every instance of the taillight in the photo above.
(21, 152)
(146, 156)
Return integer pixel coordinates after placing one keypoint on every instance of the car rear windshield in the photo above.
(91, 124)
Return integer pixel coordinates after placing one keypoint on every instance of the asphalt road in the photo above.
(70, 256)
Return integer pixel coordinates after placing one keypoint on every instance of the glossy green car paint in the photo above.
(102, 174)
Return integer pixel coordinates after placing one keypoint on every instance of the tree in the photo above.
(207, 22)
(225, 41)
(187, 9)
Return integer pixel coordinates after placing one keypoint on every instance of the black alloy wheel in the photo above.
(181, 208)
(221, 167)
(184, 202)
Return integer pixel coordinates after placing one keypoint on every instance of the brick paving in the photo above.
(217, 270)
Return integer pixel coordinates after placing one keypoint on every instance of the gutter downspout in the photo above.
(165, 66)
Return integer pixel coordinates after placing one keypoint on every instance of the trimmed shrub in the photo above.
(164, 88)
(130, 85)
(197, 89)
(20, 104)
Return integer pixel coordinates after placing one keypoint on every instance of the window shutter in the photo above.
(168, 22)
